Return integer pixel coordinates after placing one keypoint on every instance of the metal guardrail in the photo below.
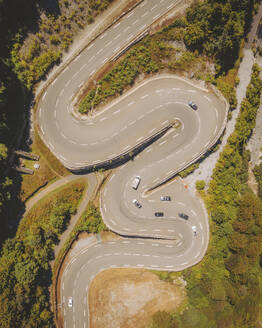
(27, 155)
(130, 153)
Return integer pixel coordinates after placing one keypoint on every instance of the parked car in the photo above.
(159, 214)
(192, 105)
(70, 301)
(165, 198)
(183, 216)
(136, 182)
(136, 202)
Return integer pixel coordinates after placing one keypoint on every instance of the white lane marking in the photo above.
(169, 246)
(139, 139)
(165, 122)
(99, 51)
(180, 203)
(91, 58)
(207, 98)
(116, 37)
(67, 83)
(145, 96)
(155, 17)
(176, 89)
(105, 60)
(170, 6)
(193, 212)
(184, 263)
(126, 242)
(129, 15)
(144, 14)
(140, 265)
(127, 28)
(115, 26)
(162, 143)
(91, 45)
(171, 230)
(169, 266)
(135, 22)
(149, 149)
(103, 35)
(180, 235)
(156, 245)
(142, 27)
(131, 103)
(75, 75)
(116, 112)
(154, 7)
(44, 96)
(130, 37)
(108, 43)
(197, 254)
(83, 67)
(112, 221)
(140, 117)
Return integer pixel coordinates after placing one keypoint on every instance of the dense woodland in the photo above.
(224, 290)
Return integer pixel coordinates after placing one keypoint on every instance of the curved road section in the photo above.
(169, 242)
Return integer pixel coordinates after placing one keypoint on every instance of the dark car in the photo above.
(165, 198)
(159, 214)
(192, 105)
(183, 216)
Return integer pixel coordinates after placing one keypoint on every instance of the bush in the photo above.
(200, 185)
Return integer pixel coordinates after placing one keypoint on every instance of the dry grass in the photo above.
(129, 298)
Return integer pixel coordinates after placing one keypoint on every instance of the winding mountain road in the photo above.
(170, 242)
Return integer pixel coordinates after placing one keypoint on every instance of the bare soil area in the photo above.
(129, 297)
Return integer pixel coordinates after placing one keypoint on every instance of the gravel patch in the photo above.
(205, 170)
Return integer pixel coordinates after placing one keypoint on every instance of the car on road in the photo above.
(136, 182)
(159, 214)
(183, 216)
(70, 301)
(192, 105)
(136, 202)
(194, 230)
(165, 198)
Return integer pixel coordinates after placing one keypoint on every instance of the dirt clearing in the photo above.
(129, 297)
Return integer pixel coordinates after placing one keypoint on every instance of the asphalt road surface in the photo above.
(170, 243)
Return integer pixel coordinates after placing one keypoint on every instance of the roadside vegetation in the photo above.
(33, 38)
(225, 288)
(24, 263)
(90, 222)
(211, 32)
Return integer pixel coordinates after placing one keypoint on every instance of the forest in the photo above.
(224, 290)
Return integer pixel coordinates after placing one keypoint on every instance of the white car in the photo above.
(136, 182)
(194, 229)
(70, 301)
(136, 202)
